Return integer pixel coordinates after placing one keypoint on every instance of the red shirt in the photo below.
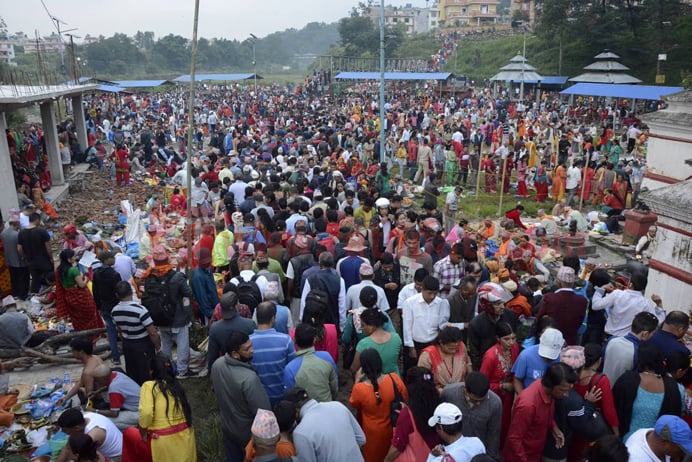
(532, 419)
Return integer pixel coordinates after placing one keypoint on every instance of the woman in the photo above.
(165, 420)
(448, 360)
(490, 168)
(621, 189)
(413, 419)
(587, 173)
(497, 366)
(178, 202)
(590, 380)
(515, 215)
(84, 448)
(372, 396)
(643, 396)
(327, 338)
(383, 179)
(73, 298)
(540, 181)
(380, 336)
(559, 178)
(39, 198)
(522, 168)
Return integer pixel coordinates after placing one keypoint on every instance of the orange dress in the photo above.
(374, 417)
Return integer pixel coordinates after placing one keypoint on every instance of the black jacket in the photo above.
(103, 287)
(482, 335)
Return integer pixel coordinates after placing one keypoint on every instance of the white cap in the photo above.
(445, 414)
(551, 343)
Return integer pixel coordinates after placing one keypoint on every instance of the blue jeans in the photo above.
(112, 332)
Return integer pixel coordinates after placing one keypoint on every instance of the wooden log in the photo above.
(65, 338)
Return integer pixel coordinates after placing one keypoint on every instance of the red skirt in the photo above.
(78, 305)
(541, 191)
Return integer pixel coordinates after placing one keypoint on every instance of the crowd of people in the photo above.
(313, 263)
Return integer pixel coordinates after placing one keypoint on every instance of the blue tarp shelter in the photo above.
(112, 89)
(216, 77)
(142, 83)
(550, 80)
(394, 75)
(648, 92)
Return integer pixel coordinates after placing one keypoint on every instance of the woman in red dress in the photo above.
(522, 190)
(497, 366)
(122, 166)
(540, 181)
(490, 180)
(587, 173)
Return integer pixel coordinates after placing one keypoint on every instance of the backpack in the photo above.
(328, 243)
(320, 298)
(156, 298)
(333, 228)
(249, 293)
(119, 138)
(300, 263)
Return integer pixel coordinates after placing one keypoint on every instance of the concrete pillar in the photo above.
(8, 190)
(79, 122)
(50, 132)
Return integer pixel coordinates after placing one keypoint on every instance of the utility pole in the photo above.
(381, 80)
(254, 60)
(190, 136)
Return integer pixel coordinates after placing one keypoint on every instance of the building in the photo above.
(455, 13)
(47, 44)
(7, 55)
(414, 20)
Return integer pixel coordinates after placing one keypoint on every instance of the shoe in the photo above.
(186, 375)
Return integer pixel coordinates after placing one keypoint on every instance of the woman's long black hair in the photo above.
(420, 383)
(371, 363)
(162, 373)
(65, 265)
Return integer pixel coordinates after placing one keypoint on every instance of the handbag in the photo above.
(417, 449)
(598, 426)
(396, 404)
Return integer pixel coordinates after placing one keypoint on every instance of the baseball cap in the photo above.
(551, 343)
(675, 430)
(296, 395)
(445, 414)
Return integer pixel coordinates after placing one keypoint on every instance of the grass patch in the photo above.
(205, 419)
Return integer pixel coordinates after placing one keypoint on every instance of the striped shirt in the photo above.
(132, 319)
(272, 352)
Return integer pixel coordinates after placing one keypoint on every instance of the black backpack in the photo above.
(300, 263)
(249, 293)
(319, 296)
(157, 299)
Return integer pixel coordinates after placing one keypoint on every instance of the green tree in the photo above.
(358, 35)
(172, 52)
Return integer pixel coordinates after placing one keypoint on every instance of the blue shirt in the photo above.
(272, 352)
(349, 270)
(667, 343)
(530, 366)
(281, 320)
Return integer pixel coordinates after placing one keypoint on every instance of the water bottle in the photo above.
(67, 380)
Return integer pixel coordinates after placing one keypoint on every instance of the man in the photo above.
(532, 415)
(266, 433)
(179, 293)
(19, 268)
(140, 337)
(271, 270)
(123, 397)
(455, 446)
(423, 161)
(451, 206)
(230, 322)
(367, 275)
(33, 245)
(338, 441)
(272, 351)
(204, 286)
(103, 289)
(462, 305)
(412, 257)
(239, 393)
(83, 350)
(670, 439)
(283, 321)
(349, 266)
(491, 310)
(327, 280)
(573, 181)
(620, 353)
(669, 337)
(315, 371)
(625, 304)
(564, 306)
(645, 241)
(450, 269)
(103, 432)
(532, 362)
(16, 328)
(482, 409)
(424, 316)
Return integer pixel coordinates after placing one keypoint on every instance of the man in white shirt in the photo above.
(447, 423)
(101, 429)
(670, 439)
(573, 181)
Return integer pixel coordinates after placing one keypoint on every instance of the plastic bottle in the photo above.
(67, 380)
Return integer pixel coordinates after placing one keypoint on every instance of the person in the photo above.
(105, 435)
(378, 337)
(532, 415)
(372, 396)
(18, 266)
(450, 269)
(447, 359)
(532, 363)
(140, 337)
(424, 316)
(284, 321)
(625, 304)
(481, 408)
(315, 371)
(8, 398)
(284, 412)
(567, 308)
(620, 354)
(272, 351)
(103, 287)
(462, 305)
(165, 430)
(84, 448)
(515, 216)
(367, 275)
(204, 286)
(123, 397)
(231, 321)
(645, 241)
(16, 329)
(491, 310)
(451, 206)
(558, 187)
(327, 335)
(669, 439)
(73, 298)
(239, 392)
(497, 366)
(83, 350)
(610, 448)
(339, 441)
(179, 292)
(330, 282)
(642, 395)
(669, 337)
(447, 421)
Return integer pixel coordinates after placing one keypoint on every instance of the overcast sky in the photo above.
(231, 19)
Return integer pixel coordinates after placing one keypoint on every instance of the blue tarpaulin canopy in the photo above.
(111, 89)
(394, 75)
(649, 92)
(142, 83)
(217, 77)
(550, 80)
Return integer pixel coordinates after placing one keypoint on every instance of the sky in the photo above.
(231, 19)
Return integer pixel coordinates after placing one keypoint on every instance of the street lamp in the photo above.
(254, 60)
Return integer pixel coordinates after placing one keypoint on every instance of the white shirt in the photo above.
(624, 306)
(573, 178)
(422, 322)
(113, 444)
(451, 200)
(458, 136)
(639, 448)
(247, 275)
(462, 450)
(406, 292)
(353, 296)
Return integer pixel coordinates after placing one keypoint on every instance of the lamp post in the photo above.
(254, 59)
